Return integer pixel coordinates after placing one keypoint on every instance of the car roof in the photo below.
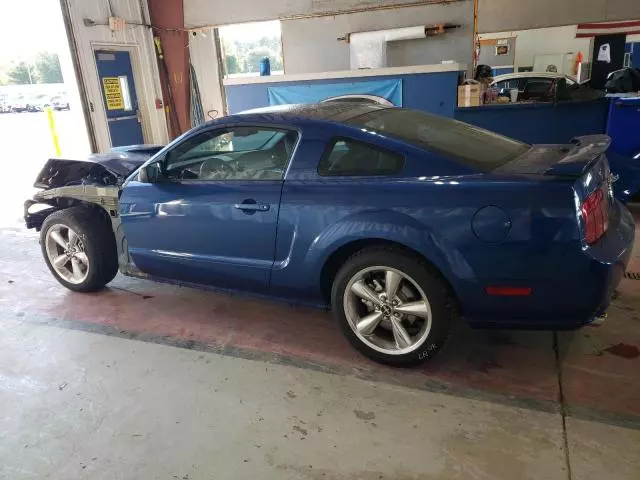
(507, 76)
(338, 112)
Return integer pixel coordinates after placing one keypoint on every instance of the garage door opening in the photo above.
(36, 74)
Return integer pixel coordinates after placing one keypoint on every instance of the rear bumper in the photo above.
(580, 291)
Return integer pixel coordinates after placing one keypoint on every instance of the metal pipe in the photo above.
(475, 53)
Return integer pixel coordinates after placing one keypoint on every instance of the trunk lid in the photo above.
(583, 164)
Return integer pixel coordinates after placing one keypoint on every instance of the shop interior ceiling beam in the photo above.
(509, 15)
(213, 13)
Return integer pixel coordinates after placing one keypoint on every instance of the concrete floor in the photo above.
(83, 405)
(144, 380)
(151, 381)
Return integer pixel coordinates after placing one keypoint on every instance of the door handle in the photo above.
(252, 207)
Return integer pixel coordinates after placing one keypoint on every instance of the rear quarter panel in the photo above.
(429, 208)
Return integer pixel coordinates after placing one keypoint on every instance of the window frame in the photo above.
(331, 143)
(221, 129)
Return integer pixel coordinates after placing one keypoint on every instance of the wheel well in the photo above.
(63, 203)
(340, 256)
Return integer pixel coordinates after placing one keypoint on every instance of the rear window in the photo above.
(472, 146)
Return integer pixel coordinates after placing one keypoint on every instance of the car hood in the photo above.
(99, 169)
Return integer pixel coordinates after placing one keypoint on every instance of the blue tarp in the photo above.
(314, 93)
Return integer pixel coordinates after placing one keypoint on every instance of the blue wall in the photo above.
(501, 70)
(432, 92)
(635, 55)
(540, 122)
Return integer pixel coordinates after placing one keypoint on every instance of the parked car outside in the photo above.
(38, 103)
(60, 102)
(19, 105)
(400, 220)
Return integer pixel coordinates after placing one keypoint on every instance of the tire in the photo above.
(94, 252)
(424, 333)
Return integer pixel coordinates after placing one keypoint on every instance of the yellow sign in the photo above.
(113, 93)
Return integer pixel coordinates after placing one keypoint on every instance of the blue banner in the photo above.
(389, 90)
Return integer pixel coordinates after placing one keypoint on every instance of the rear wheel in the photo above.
(79, 249)
(392, 306)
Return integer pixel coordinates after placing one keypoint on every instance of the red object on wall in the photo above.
(167, 18)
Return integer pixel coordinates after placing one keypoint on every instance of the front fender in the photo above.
(393, 227)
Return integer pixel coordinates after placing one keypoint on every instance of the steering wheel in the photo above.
(212, 166)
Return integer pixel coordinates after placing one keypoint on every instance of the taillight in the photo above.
(595, 216)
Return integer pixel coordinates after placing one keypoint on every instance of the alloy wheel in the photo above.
(387, 310)
(66, 254)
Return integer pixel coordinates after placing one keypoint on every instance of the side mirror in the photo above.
(150, 173)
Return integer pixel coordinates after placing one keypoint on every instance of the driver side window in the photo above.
(237, 153)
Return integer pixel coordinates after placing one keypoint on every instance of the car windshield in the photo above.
(472, 146)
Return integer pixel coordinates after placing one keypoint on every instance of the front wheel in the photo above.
(79, 249)
(392, 306)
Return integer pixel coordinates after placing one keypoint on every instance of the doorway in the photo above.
(119, 97)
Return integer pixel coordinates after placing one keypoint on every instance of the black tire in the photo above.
(99, 245)
(443, 308)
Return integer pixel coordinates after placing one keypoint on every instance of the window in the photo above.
(539, 88)
(345, 157)
(126, 94)
(509, 84)
(470, 145)
(244, 45)
(240, 153)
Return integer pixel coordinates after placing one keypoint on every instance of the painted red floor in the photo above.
(599, 365)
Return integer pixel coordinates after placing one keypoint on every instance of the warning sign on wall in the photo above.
(113, 93)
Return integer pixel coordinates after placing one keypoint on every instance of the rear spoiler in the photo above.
(586, 152)
(570, 160)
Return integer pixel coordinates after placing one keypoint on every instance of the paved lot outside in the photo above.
(25, 144)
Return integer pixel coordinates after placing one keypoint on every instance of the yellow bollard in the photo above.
(54, 133)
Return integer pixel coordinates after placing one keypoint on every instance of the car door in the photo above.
(211, 215)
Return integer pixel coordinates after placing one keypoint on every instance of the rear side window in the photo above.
(347, 157)
(469, 145)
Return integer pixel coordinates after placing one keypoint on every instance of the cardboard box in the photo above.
(470, 95)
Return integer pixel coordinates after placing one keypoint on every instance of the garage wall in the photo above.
(140, 40)
(503, 15)
(310, 45)
(220, 12)
(543, 41)
(488, 52)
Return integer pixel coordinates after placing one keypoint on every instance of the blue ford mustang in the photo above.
(398, 219)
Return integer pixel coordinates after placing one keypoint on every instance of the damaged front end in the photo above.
(94, 183)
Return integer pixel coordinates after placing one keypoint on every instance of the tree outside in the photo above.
(232, 64)
(254, 56)
(21, 74)
(45, 69)
(242, 54)
(48, 68)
